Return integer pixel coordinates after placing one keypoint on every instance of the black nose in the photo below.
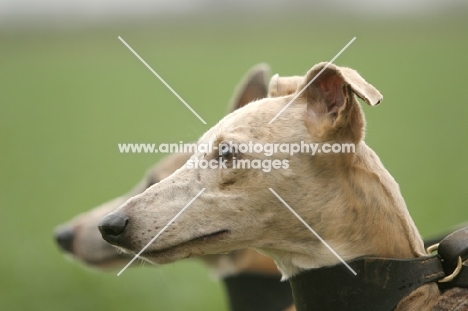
(64, 237)
(112, 225)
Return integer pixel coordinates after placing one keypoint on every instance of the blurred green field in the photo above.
(68, 97)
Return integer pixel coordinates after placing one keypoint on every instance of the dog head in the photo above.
(348, 198)
(81, 238)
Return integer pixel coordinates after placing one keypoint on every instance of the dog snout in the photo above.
(64, 237)
(112, 226)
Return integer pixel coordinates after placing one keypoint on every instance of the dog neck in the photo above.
(254, 291)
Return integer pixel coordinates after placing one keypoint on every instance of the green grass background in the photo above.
(68, 97)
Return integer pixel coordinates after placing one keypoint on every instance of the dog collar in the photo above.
(380, 283)
(259, 292)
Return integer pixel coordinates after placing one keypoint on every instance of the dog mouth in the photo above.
(217, 235)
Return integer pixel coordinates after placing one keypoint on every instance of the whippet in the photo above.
(349, 199)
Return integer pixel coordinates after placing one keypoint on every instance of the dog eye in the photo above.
(226, 153)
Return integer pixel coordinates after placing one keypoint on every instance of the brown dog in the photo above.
(349, 199)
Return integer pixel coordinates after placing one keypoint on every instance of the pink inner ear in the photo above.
(331, 86)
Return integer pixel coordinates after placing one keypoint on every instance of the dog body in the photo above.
(349, 199)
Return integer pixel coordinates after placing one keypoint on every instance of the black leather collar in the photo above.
(450, 249)
(257, 292)
(380, 283)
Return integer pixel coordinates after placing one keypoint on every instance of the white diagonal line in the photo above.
(162, 80)
(313, 79)
(160, 232)
(313, 231)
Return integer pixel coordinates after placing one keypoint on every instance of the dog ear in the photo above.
(282, 86)
(253, 86)
(367, 92)
(332, 109)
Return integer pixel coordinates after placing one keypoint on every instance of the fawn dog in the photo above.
(349, 199)
(81, 238)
